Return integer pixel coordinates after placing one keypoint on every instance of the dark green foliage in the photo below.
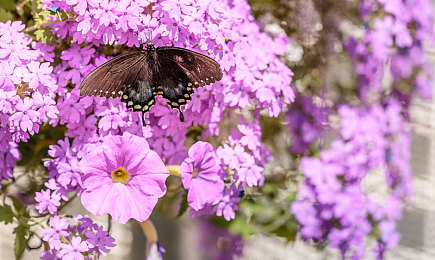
(6, 214)
(20, 240)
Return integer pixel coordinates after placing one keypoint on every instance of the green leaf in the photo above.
(287, 231)
(20, 240)
(6, 214)
(8, 5)
(241, 226)
(183, 205)
(291, 196)
(5, 15)
(18, 205)
(45, 35)
(47, 13)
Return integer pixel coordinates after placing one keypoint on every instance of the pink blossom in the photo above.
(201, 175)
(122, 177)
(47, 201)
(74, 250)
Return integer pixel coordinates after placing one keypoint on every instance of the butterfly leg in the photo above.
(181, 115)
(143, 118)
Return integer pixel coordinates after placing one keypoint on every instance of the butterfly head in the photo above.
(150, 46)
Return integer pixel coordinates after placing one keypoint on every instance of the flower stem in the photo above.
(149, 231)
(174, 170)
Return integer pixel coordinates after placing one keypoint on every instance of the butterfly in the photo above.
(139, 76)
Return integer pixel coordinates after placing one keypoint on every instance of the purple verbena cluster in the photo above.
(254, 79)
(396, 32)
(27, 91)
(117, 165)
(75, 238)
(332, 205)
(39, 86)
(306, 122)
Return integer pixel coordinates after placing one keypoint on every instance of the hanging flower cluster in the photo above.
(332, 206)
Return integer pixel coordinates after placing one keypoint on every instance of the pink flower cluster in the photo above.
(33, 92)
(254, 79)
(75, 238)
(27, 91)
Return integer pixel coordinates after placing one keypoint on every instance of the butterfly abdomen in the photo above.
(139, 97)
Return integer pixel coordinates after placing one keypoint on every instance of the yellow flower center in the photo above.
(120, 175)
(195, 172)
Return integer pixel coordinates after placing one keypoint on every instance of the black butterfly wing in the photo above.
(181, 71)
(113, 77)
(138, 76)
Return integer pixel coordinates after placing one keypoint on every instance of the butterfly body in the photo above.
(139, 76)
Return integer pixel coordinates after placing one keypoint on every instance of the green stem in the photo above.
(37, 223)
(174, 170)
(40, 26)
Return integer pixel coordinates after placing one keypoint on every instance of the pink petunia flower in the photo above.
(200, 173)
(122, 177)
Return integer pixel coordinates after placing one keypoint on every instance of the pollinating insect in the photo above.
(139, 76)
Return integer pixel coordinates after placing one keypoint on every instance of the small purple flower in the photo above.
(70, 109)
(39, 73)
(228, 203)
(46, 106)
(176, 8)
(48, 201)
(57, 230)
(112, 116)
(74, 250)
(250, 173)
(155, 252)
(100, 240)
(8, 99)
(47, 255)
(25, 115)
(193, 21)
(201, 175)
(128, 11)
(77, 56)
